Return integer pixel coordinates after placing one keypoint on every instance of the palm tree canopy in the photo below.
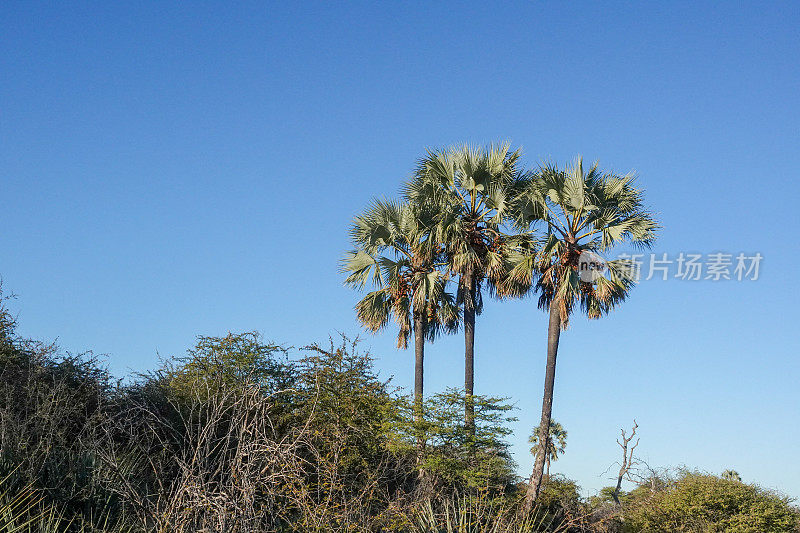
(394, 254)
(470, 190)
(584, 210)
(556, 441)
(731, 475)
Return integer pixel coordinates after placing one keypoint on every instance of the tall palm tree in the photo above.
(394, 254)
(470, 190)
(584, 211)
(556, 444)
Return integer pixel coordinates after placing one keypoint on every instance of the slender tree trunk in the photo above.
(627, 459)
(419, 376)
(615, 494)
(469, 354)
(553, 334)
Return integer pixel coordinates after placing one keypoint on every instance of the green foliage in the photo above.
(605, 497)
(230, 361)
(700, 502)
(51, 407)
(241, 435)
(560, 499)
(452, 455)
(396, 256)
(470, 189)
(583, 210)
(348, 407)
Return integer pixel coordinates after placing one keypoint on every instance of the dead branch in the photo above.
(628, 461)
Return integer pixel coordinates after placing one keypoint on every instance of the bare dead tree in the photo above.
(645, 475)
(628, 461)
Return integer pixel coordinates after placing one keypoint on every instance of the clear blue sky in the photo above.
(169, 171)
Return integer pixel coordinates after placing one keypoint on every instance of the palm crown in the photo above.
(556, 442)
(584, 211)
(395, 256)
(470, 189)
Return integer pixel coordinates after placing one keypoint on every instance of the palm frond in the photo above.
(583, 210)
(398, 254)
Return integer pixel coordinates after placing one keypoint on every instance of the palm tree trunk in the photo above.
(419, 376)
(553, 334)
(469, 354)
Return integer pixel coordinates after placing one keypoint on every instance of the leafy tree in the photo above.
(584, 211)
(395, 255)
(469, 190)
(230, 361)
(455, 457)
(349, 412)
(556, 443)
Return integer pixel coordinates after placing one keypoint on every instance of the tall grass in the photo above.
(481, 514)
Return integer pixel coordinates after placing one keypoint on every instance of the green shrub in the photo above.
(699, 502)
(51, 406)
(453, 457)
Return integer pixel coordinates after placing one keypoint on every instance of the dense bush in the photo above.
(242, 435)
(701, 502)
(236, 436)
(51, 407)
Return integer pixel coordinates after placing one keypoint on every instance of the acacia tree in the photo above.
(393, 253)
(469, 190)
(556, 444)
(584, 211)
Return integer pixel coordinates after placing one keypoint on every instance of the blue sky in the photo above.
(170, 171)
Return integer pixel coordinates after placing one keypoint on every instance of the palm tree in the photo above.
(556, 444)
(470, 190)
(394, 255)
(584, 211)
(731, 475)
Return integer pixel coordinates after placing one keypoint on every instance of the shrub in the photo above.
(453, 458)
(51, 406)
(699, 502)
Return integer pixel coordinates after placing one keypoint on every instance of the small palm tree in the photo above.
(731, 475)
(556, 444)
(394, 254)
(469, 190)
(584, 211)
